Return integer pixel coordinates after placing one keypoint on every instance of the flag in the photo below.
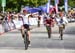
(56, 5)
(65, 5)
(47, 6)
(57, 1)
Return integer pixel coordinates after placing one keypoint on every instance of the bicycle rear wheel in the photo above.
(25, 40)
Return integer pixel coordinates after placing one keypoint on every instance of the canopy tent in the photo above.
(44, 8)
(33, 10)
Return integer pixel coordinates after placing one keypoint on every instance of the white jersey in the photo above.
(25, 19)
(58, 21)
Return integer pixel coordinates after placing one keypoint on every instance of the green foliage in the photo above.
(17, 4)
(0, 2)
(13, 4)
(71, 3)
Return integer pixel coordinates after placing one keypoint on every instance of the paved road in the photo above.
(12, 42)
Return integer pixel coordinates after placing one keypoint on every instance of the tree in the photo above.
(16, 4)
(71, 3)
(0, 5)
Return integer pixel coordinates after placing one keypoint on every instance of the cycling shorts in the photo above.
(26, 26)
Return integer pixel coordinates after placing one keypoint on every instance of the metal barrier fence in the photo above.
(9, 26)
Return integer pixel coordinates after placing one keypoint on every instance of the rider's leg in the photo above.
(38, 23)
(59, 32)
(22, 32)
(28, 33)
(48, 31)
(63, 26)
(28, 36)
(59, 29)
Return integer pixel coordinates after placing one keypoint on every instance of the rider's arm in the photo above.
(56, 21)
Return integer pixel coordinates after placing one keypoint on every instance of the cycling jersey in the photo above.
(58, 20)
(49, 21)
(25, 19)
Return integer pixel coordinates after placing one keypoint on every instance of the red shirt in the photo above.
(49, 21)
(8, 18)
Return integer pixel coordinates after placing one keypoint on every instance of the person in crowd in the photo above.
(39, 18)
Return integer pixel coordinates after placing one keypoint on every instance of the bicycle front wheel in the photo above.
(25, 40)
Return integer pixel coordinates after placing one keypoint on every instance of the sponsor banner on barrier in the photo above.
(18, 23)
(9, 26)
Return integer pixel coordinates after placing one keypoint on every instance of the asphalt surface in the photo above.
(12, 42)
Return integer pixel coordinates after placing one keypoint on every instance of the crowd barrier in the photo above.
(6, 27)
